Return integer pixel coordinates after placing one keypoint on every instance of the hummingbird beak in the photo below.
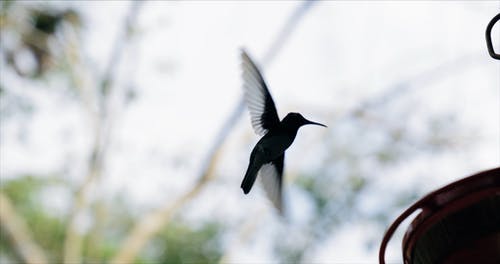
(313, 123)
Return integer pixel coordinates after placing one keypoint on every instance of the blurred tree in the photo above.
(58, 237)
(38, 32)
(47, 229)
(176, 243)
(180, 243)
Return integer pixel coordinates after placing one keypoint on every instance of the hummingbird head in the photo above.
(297, 120)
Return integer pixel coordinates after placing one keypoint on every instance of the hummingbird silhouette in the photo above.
(268, 155)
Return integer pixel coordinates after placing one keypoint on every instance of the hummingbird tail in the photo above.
(250, 177)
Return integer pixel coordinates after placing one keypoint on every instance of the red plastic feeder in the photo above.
(459, 223)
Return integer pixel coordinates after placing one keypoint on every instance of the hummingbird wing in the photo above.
(271, 175)
(257, 97)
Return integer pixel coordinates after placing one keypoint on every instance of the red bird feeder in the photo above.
(459, 223)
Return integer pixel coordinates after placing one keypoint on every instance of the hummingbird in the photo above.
(268, 155)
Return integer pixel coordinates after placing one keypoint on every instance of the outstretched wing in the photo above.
(257, 97)
(271, 175)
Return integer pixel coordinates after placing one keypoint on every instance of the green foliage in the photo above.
(47, 230)
(6, 250)
(181, 243)
(6, 4)
(46, 22)
(176, 243)
(20, 191)
(289, 253)
(318, 196)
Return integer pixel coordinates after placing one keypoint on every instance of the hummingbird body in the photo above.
(275, 142)
(267, 157)
(269, 148)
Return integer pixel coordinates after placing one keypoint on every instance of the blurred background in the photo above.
(124, 139)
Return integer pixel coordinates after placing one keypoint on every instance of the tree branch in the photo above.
(73, 241)
(19, 233)
(422, 79)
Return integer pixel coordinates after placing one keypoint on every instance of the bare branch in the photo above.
(73, 241)
(19, 233)
(422, 79)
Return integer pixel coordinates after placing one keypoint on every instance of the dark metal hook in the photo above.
(489, 44)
